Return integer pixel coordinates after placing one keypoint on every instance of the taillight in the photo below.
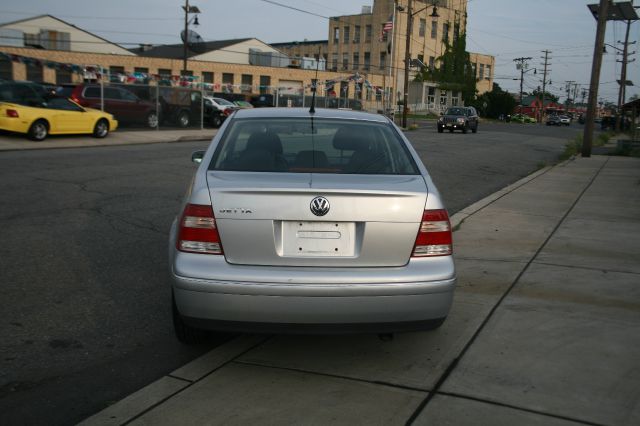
(198, 232)
(434, 236)
(75, 99)
(227, 112)
(12, 113)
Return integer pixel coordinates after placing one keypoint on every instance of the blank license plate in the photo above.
(320, 239)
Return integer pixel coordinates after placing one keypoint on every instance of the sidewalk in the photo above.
(11, 142)
(545, 329)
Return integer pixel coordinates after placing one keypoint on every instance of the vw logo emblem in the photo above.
(319, 206)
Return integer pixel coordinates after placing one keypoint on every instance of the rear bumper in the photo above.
(292, 307)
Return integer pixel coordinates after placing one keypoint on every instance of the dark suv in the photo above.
(458, 118)
(124, 105)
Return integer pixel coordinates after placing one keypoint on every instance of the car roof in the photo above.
(304, 112)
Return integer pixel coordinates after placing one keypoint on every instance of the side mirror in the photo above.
(197, 156)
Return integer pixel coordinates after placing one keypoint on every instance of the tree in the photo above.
(547, 96)
(455, 72)
(494, 103)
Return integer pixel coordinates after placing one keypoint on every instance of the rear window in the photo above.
(324, 146)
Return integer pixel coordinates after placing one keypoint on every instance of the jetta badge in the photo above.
(320, 206)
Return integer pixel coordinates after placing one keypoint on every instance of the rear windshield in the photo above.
(324, 146)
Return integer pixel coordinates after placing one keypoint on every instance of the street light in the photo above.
(407, 54)
(185, 40)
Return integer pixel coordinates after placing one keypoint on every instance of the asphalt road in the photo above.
(85, 289)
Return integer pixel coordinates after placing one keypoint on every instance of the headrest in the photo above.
(267, 141)
(351, 138)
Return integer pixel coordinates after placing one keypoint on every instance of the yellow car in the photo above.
(55, 116)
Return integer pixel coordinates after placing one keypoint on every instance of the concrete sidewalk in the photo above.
(16, 142)
(545, 329)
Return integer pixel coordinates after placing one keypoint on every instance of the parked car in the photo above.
(124, 105)
(180, 106)
(55, 116)
(553, 120)
(522, 118)
(458, 118)
(242, 104)
(565, 120)
(212, 114)
(23, 93)
(310, 222)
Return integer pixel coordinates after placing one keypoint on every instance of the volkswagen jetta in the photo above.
(299, 221)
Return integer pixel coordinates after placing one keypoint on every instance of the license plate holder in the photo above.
(318, 239)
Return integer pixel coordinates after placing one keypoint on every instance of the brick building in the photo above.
(358, 43)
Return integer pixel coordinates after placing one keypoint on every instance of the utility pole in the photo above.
(568, 88)
(407, 62)
(521, 64)
(603, 12)
(544, 81)
(623, 76)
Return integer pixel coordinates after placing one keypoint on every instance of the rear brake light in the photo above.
(12, 113)
(75, 99)
(198, 231)
(434, 236)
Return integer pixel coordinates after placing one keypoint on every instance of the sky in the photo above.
(506, 29)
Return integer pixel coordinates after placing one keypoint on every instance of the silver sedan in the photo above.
(300, 221)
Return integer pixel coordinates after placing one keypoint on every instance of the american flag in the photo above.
(388, 26)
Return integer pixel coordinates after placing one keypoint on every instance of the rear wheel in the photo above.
(475, 129)
(152, 120)
(183, 119)
(38, 130)
(464, 129)
(101, 129)
(184, 332)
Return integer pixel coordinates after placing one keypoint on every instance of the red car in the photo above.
(121, 103)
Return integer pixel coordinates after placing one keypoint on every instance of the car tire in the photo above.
(216, 121)
(101, 129)
(152, 120)
(440, 130)
(464, 129)
(38, 130)
(184, 332)
(183, 119)
(475, 129)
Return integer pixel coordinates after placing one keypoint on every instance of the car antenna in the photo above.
(314, 84)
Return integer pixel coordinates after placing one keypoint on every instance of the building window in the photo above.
(164, 72)
(265, 83)
(454, 98)
(487, 75)
(443, 97)
(115, 72)
(431, 97)
(63, 76)
(432, 63)
(456, 31)
(434, 29)
(421, 58)
(383, 34)
(141, 70)
(383, 60)
(356, 61)
(336, 34)
(6, 69)
(207, 77)
(247, 83)
(367, 33)
(334, 62)
(481, 73)
(227, 82)
(187, 73)
(356, 34)
(445, 32)
(345, 61)
(423, 27)
(345, 35)
(367, 61)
